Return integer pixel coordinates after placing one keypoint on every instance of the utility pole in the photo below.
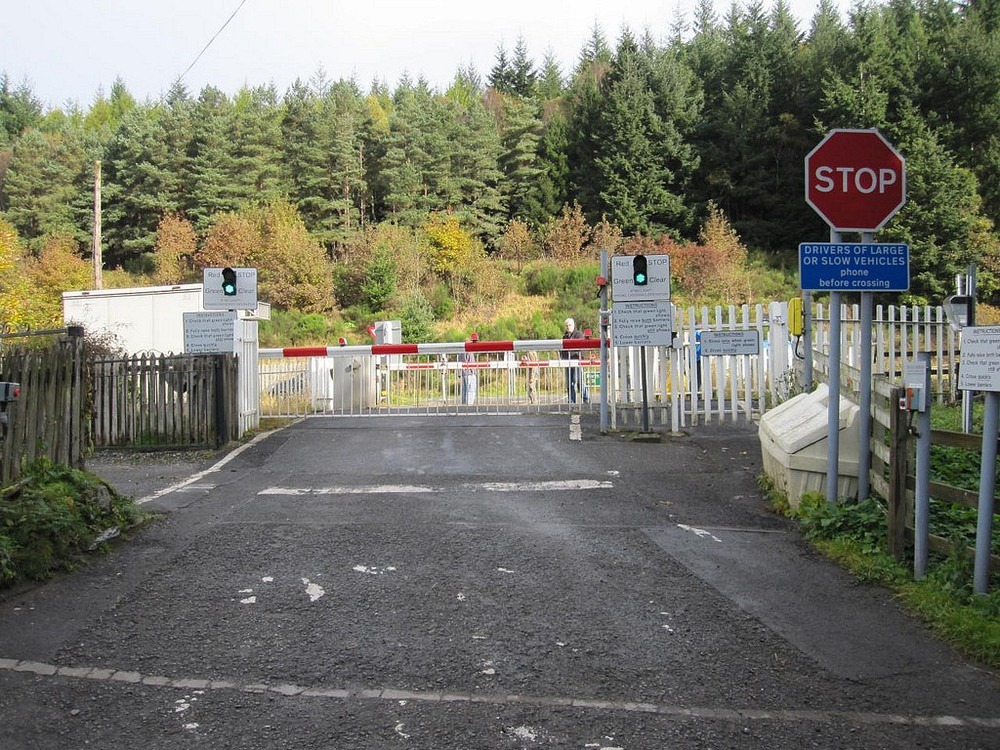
(98, 262)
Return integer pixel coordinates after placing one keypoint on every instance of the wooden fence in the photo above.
(48, 420)
(70, 403)
(155, 400)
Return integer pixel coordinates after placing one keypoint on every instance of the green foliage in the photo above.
(946, 599)
(379, 281)
(643, 137)
(536, 326)
(542, 279)
(864, 522)
(416, 318)
(296, 328)
(573, 290)
(442, 303)
(51, 517)
(574, 282)
(349, 286)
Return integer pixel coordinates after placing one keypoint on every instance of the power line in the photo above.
(214, 37)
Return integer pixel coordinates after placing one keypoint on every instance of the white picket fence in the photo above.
(687, 387)
(897, 334)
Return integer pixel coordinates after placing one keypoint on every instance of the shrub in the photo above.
(50, 518)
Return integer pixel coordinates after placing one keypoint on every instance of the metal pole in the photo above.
(865, 396)
(604, 345)
(987, 487)
(833, 394)
(645, 394)
(865, 405)
(922, 494)
(807, 340)
(833, 402)
(967, 395)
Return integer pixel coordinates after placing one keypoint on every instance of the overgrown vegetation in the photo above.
(51, 518)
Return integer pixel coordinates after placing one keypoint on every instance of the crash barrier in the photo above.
(684, 385)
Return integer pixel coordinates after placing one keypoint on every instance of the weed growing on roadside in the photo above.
(50, 518)
(863, 522)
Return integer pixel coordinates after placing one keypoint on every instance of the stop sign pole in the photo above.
(856, 181)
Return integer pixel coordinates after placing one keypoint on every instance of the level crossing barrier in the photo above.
(683, 387)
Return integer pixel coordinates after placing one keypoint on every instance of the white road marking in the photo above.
(202, 474)
(373, 571)
(554, 485)
(709, 713)
(315, 591)
(557, 485)
(382, 489)
(699, 532)
(575, 432)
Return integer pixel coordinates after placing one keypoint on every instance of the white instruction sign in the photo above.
(741, 343)
(642, 323)
(979, 368)
(210, 332)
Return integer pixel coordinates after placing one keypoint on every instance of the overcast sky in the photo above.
(68, 50)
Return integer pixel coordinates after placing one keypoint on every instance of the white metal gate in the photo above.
(683, 387)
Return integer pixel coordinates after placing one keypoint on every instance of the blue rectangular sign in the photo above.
(854, 267)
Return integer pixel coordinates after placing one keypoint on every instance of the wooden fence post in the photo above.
(221, 412)
(899, 451)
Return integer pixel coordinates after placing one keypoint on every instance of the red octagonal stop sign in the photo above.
(855, 180)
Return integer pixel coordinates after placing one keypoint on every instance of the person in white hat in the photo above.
(470, 380)
(574, 375)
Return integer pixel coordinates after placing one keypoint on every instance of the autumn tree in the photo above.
(715, 269)
(293, 271)
(15, 287)
(449, 247)
(59, 267)
(605, 236)
(173, 255)
(516, 244)
(566, 237)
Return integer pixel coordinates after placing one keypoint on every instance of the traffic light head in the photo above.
(228, 282)
(639, 275)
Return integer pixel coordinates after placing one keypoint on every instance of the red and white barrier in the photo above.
(459, 347)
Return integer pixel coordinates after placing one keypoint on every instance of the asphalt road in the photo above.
(472, 582)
